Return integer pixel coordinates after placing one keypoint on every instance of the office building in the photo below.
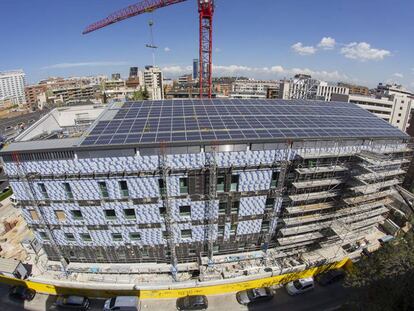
(12, 84)
(133, 72)
(32, 93)
(201, 182)
(116, 76)
(196, 65)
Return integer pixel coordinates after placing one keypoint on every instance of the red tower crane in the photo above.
(206, 12)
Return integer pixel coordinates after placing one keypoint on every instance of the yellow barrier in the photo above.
(175, 293)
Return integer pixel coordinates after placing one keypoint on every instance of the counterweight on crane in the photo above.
(206, 12)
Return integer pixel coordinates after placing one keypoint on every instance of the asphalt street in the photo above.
(327, 298)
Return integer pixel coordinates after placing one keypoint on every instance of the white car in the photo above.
(300, 286)
(13, 200)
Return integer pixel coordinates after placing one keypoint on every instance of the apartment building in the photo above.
(12, 84)
(153, 81)
(251, 89)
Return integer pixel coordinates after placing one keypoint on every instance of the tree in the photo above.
(385, 279)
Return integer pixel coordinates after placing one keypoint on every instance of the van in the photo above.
(122, 303)
(13, 200)
(300, 286)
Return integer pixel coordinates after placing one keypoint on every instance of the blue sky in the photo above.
(366, 41)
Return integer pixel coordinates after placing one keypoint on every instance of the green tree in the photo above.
(385, 279)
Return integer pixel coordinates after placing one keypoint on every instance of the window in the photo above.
(124, 188)
(68, 190)
(275, 177)
(129, 213)
(186, 234)
(77, 215)
(34, 214)
(265, 226)
(235, 207)
(135, 236)
(103, 189)
(86, 237)
(43, 236)
(233, 229)
(110, 214)
(70, 237)
(43, 190)
(165, 235)
(60, 215)
(192, 252)
(161, 186)
(234, 183)
(116, 237)
(183, 185)
(220, 184)
(221, 231)
(185, 210)
(162, 211)
(222, 208)
(270, 202)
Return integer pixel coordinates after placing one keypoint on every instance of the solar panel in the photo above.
(148, 122)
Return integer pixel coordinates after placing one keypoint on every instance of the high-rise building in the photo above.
(12, 84)
(200, 182)
(153, 81)
(133, 72)
(116, 76)
(196, 68)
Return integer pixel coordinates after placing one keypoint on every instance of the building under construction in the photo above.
(191, 181)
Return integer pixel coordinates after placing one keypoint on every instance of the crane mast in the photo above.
(206, 12)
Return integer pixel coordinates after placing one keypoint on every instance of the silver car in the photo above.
(254, 295)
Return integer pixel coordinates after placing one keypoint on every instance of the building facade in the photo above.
(355, 89)
(32, 93)
(12, 84)
(251, 89)
(144, 184)
(153, 81)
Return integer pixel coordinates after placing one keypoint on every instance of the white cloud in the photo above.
(167, 49)
(363, 51)
(303, 50)
(272, 72)
(398, 75)
(85, 64)
(176, 70)
(327, 43)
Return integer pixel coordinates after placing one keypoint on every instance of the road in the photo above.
(321, 299)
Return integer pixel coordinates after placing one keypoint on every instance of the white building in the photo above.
(153, 81)
(12, 85)
(325, 90)
(253, 89)
(393, 109)
(305, 87)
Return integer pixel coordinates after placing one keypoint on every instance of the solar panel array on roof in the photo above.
(148, 122)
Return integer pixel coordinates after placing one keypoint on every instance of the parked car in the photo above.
(330, 277)
(254, 295)
(21, 293)
(122, 303)
(300, 286)
(192, 303)
(73, 303)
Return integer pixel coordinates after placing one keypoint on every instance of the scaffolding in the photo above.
(45, 225)
(169, 220)
(212, 193)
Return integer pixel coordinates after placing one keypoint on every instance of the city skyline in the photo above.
(333, 49)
